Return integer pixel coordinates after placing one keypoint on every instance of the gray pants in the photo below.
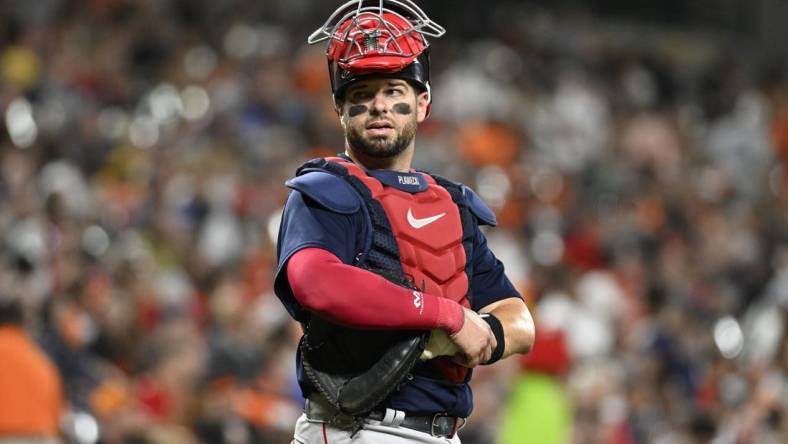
(318, 432)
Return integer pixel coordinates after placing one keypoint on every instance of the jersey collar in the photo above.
(408, 182)
(412, 182)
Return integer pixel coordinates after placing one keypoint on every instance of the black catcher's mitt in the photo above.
(357, 369)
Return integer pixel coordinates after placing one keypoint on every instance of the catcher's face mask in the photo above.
(377, 38)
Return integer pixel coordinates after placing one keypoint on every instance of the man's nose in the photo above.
(379, 104)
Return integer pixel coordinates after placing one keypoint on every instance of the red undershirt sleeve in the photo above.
(358, 298)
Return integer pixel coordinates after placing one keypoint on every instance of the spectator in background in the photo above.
(31, 399)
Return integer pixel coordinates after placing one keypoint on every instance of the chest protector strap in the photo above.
(468, 221)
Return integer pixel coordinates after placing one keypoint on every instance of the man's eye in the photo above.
(361, 96)
(395, 92)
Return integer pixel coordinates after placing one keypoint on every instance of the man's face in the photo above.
(380, 116)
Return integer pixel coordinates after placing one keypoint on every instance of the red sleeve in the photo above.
(358, 298)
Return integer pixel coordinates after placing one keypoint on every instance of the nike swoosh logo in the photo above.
(421, 223)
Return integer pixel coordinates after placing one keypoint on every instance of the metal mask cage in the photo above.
(359, 11)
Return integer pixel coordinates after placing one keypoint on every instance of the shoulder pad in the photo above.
(328, 190)
(479, 209)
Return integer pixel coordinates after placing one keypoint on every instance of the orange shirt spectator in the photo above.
(31, 400)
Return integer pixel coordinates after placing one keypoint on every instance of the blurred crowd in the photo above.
(639, 174)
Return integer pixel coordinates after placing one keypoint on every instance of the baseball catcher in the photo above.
(385, 266)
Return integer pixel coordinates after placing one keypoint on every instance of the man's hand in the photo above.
(475, 341)
(440, 344)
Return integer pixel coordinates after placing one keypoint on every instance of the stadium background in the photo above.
(635, 153)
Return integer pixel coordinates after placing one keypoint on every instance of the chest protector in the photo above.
(420, 240)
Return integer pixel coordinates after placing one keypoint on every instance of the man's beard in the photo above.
(380, 147)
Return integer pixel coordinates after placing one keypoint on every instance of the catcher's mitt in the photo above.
(357, 369)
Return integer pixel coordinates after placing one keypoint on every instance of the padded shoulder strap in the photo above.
(483, 213)
(480, 211)
(331, 192)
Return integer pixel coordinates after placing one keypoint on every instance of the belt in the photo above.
(438, 425)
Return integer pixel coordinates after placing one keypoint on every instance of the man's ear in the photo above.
(422, 106)
(338, 106)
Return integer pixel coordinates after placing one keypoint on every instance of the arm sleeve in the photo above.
(306, 224)
(358, 298)
(489, 282)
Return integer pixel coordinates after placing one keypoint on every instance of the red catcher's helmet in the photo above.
(377, 38)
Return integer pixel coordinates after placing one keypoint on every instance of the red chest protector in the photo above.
(428, 231)
(425, 237)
